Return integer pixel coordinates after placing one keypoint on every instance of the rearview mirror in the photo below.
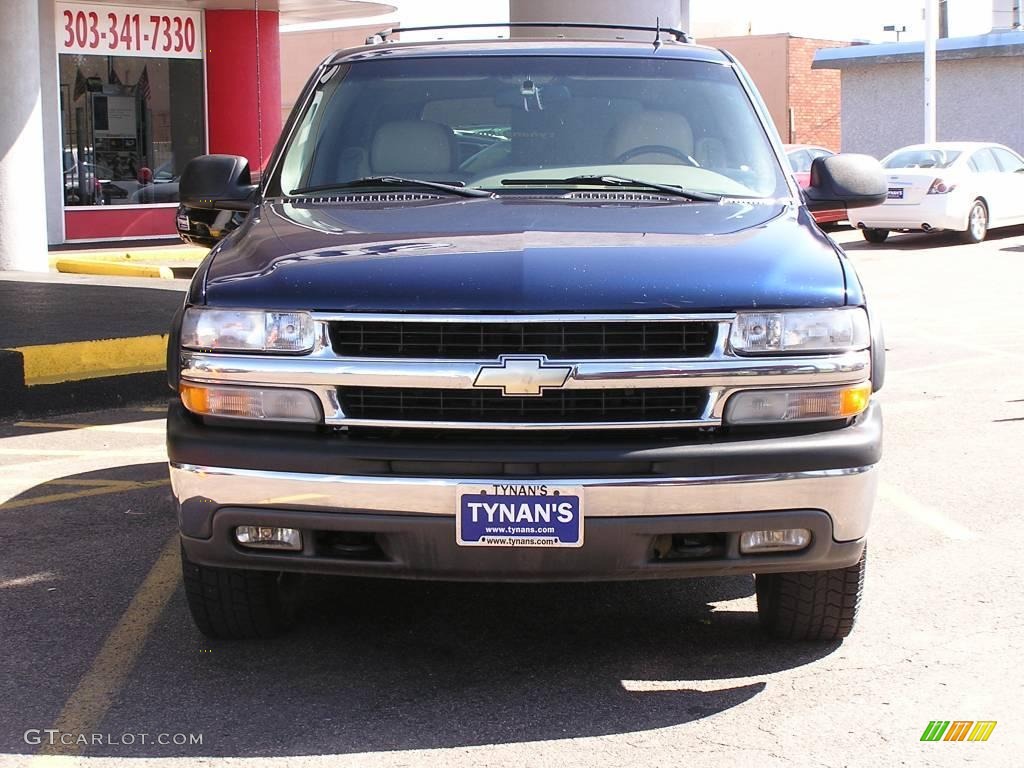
(846, 181)
(217, 182)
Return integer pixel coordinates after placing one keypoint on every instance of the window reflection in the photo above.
(129, 125)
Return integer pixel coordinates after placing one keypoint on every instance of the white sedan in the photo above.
(960, 186)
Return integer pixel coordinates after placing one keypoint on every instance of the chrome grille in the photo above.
(394, 370)
(557, 340)
(577, 406)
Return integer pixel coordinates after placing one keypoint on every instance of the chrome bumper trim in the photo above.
(727, 371)
(846, 495)
(722, 374)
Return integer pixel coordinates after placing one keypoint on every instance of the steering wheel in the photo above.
(656, 149)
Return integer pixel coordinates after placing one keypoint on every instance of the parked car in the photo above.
(801, 158)
(966, 187)
(607, 341)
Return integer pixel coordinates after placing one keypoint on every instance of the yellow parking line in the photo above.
(25, 581)
(78, 360)
(924, 514)
(36, 501)
(64, 452)
(94, 694)
(93, 482)
(129, 428)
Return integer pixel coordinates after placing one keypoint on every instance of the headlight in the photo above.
(805, 330)
(229, 330)
(772, 406)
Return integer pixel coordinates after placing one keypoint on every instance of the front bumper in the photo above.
(823, 481)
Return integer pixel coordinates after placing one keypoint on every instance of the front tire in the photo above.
(235, 603)
(977, 224)
(875, 236)
(817, 605)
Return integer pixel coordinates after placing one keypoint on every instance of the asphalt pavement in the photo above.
(69, 342)
(98, 644)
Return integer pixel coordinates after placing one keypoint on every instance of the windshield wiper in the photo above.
(394, 181)
(601, 180)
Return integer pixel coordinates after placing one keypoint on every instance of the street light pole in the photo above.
(930, 38)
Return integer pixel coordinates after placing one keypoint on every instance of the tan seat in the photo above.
(651, 129)
(410, 147)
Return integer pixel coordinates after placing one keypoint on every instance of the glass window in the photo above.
(487, 120)
(129, 125)
(983, 161)
(1008, 161)
(921, 158)
(800, 160)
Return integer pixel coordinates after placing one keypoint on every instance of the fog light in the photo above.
(266, 537)
(270, 404)
(784, 540)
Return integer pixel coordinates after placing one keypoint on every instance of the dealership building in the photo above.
(105, 102)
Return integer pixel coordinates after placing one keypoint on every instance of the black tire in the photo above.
(817, 605)
(237, 604)
(977, 224)
(875, 236)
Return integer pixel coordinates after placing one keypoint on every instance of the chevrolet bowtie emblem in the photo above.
(522, 376)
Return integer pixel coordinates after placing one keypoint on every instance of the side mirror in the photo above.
(217, 182)
(846, 181)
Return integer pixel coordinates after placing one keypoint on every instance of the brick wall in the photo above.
(814, 97)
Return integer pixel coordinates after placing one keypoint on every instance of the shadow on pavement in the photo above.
(375, 665)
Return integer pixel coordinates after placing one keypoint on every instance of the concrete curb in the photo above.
(70, 376)
(164, 263)
(117, 269)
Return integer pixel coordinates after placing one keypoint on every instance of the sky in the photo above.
(829, 19)
(833, 19)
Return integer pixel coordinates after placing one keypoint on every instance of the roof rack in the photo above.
(385, 34)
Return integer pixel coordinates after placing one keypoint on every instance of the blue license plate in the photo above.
(518, 515)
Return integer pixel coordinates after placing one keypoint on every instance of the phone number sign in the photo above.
(113, 30)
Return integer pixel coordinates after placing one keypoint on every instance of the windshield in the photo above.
(921, 158)
(513, 124)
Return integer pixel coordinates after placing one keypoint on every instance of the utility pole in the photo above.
(943, 19)
(930, 37)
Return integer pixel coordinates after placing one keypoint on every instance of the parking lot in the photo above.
(99, 646)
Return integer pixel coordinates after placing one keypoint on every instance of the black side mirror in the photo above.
(217, 182)
(846, 181)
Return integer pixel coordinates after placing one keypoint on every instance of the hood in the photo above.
(526, 255)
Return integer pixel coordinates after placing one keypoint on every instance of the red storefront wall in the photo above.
(243, 102)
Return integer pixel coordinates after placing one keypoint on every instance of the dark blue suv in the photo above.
(531, 310)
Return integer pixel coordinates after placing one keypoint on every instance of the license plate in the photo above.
(895, 193)
(518, 515)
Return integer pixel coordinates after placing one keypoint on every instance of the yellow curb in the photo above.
(145, 255)
(78, 360)
(117, 269)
